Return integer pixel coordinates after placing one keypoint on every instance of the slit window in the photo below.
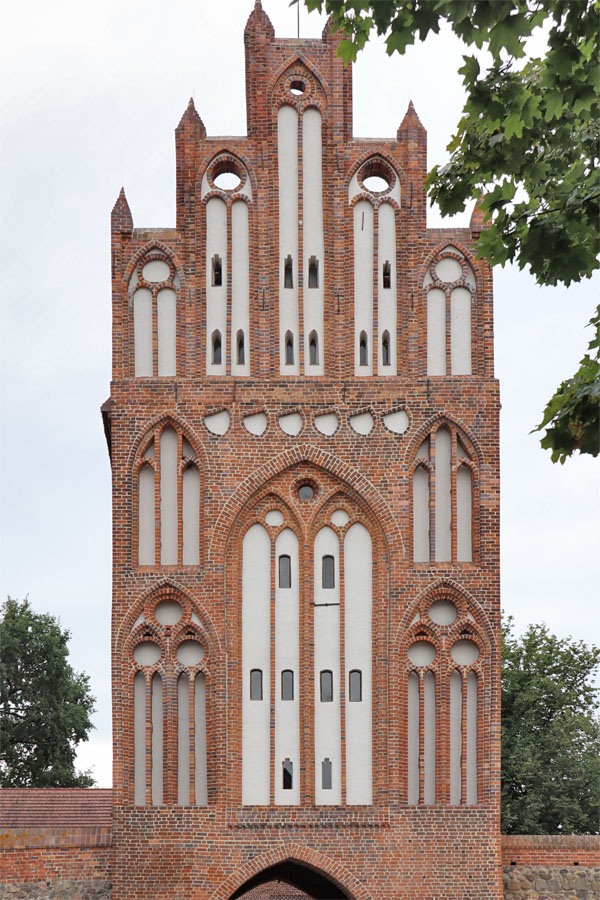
(326, 775)
(256, 684)
(387, 275)
(313, 272)
(326, 686)
(288, 774)
(328, 572)
(285, 571)
(288, 272)
(289, 349)
(355, 686)
(313, 349)
(287, 684)
(241, 350)
(216, 348)
(362, 355)
(385, 348)
(217, 271)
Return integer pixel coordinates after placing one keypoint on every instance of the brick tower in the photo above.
(303, 427)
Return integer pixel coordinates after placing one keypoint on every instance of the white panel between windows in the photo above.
(443, 505)
(240, 287)
(142, 332)
(287, 722)
(460, 331)
(168, 497)
(287, 155)
(166, 327)
(312, 235)
(436, 332)
(363, 284)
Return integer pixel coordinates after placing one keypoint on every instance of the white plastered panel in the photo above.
(455, 738)
(327, 657)
(216, 295)
(142, 332)
(139, 739)
(191, 516)
(443, 504)
(471, 738)
(200, 777)
(287, 722)
(363, 284)
(256, 629)
(436, 332)
(421, 515)
(166, 327)
(183, 740)
(358, 607)
(429, 738)
(168, 497)
(386, 318)
(312, 233)
(460, 331)
(413, 738)
(146, 521)
(287, 150)
(157, 740)
(464, 543)
(240, 286)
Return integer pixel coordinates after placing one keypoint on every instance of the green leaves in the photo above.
(45, 706)
(550, 734)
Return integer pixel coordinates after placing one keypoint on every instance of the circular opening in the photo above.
(306, 492)
(168, 613)
(156, 271)
(376, 184)
(190, 653)
(274, 517)
(228, 181)
(421, 653)
(442, 612)
(465, 653)
(297, 87)
(340, 517)
(147, 653)
(448, 269)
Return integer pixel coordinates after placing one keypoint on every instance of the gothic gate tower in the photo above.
(304, 437)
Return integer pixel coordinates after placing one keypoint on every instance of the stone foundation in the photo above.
(551, 883)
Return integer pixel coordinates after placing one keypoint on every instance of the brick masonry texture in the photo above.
(388, 850)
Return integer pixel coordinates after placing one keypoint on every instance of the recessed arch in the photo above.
(332, 871)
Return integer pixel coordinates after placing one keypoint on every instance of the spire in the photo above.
(120, 217)
(410, 120)
(258, 20)
(190, 118)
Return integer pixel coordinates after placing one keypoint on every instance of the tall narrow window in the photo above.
(285, 571)
(288, 774)
(363, 356)
(326, 775)
(289, 348)
(387, 275)
(154, 319)
(288, 272)
(385, 348)
(326, 686)
(355, 686)
(313, 272)
(313, 349)
(216, 348)
(256, 684)
(241, 350)
(287, 684)
(328, 572)
(217, 271)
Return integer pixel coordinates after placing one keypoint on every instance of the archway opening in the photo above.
(277, 881)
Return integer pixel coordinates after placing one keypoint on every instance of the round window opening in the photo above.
(376, 184)
(297, 88)
(306, 492)
(228, 181)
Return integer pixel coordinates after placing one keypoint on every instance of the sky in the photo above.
(90, 96)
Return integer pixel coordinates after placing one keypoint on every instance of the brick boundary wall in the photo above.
(551, 849)
(551, 867)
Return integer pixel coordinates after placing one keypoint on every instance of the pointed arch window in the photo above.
(288, 272)
(217, 271)
(443, 501)
(289, 348)
(313, 272)
(154, 284)
(313, 349)
(387, 275)
(241, 349)
(363, 349)
(169, 487)
(385, 348)
(216, 348)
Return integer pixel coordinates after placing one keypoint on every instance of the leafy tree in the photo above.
(45, 706)
(550, 734)
(526, 145)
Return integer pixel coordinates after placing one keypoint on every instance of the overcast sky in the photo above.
(89, 99)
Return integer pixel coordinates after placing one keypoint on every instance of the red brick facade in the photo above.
(389, 850)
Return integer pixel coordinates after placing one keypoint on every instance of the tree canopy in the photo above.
(45, 706)
(526, 146)
(550, 734)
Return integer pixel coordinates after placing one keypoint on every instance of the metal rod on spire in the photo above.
(298, 12)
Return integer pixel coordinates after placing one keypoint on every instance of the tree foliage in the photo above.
(45, 706)
(550, 734)
(527, 143)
